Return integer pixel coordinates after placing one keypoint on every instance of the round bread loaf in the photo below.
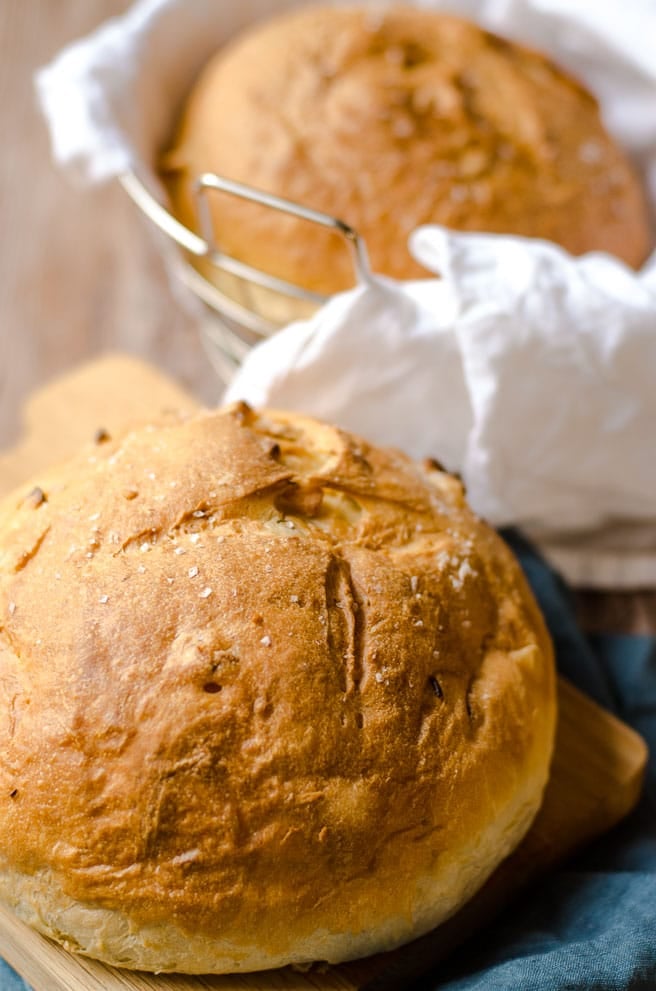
(267, 694)
(390, 119)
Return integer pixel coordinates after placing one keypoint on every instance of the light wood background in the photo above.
(79, 273)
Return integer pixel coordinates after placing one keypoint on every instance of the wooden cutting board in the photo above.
(596, 774)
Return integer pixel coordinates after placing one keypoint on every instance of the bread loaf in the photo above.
(268, 694)
(389, 119)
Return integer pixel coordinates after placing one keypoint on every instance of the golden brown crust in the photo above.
(392, 120)
(266, 692)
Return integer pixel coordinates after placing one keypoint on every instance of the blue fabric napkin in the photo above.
(590, 926)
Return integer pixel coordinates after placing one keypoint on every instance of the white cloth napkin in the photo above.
(530, 372)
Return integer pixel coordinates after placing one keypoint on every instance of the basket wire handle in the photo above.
(210, 181)
(245, 313)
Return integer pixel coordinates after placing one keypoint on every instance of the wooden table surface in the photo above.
(79, 273)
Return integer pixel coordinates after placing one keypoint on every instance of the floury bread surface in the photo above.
(390, 117)
(268, 694)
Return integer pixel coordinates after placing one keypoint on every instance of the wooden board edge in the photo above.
(50, 434)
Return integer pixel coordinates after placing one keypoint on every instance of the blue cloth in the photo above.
(9, 979)
(590, 926)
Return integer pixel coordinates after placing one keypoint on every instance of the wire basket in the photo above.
(245, 305)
